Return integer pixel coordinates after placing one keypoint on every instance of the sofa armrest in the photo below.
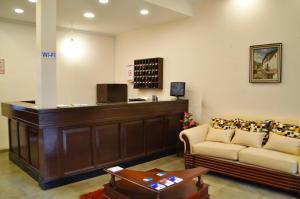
(193, 136)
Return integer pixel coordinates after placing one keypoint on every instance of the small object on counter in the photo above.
(154, 98)
(137, 99)
(161, 173)
(115, 169)
(157, 186)
(175, 179)
(166, 182)
(79, 105)
(147, 179)
(62, 106)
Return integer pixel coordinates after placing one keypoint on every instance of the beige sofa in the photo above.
(254, 162)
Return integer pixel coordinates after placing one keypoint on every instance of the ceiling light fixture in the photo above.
(103, 1)
(19, 11)
(89, 15)
(32, 1)
(144, 12)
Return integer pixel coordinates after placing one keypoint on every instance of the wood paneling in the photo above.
(34, 147)
(14, 136)
(67, 144)
(77, 149)
(107, 143)
(133, 139)
(24, 142)
(51, 153)
(173, 129)
(154, 131)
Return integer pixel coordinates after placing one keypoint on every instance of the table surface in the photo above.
(136, 177)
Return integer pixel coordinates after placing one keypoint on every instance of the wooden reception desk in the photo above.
(61, 145)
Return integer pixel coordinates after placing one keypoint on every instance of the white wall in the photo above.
(77, 76)
(210, 51)
(94, 64)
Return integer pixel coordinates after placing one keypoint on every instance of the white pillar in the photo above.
(46, 45)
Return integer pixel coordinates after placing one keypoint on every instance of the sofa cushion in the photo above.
(220, 135)
(260, 126)
(283, 144)
(269, 159)
(217, 149)
(246, 138)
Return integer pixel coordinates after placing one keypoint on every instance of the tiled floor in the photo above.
(16, 184)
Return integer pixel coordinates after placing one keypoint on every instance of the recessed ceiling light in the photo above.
(144, 12)
(32, 1)
(103, 1)
(89, 15)
(19, 11)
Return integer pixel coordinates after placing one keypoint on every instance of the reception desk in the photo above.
(62, 145)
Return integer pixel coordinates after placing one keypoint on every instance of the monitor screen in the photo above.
(177, 89)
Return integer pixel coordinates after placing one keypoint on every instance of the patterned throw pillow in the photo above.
(245, 125)
(262, 127)
(287, 130)
(219, 123)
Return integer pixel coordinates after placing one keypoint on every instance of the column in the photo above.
(46, 46)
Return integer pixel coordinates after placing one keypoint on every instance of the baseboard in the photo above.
(3, 150)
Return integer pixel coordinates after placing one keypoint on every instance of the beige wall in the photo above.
(77, 76)
(210, 51)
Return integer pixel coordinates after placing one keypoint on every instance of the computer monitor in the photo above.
(177, 89)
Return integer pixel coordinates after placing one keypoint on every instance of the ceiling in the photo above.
(116, 17)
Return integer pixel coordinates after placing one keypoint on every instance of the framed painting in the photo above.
(265, 63)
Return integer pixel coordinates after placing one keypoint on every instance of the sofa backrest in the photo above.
(289, 127)
(285, 120)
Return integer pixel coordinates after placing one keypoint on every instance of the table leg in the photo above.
(199, 182)
(157, 197)
(112, 181)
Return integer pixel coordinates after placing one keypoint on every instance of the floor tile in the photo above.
(16, 184)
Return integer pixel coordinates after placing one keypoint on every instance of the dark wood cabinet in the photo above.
(133, 139)
(63, 145)
(14, 136)
(154, 131)
(107, 144)
(34, 146)
(173, 128)
(23, 139)
(77, 149)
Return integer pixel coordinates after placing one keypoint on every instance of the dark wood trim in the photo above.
(4, 150)
(245, 171)
(187, 144)
(30, 170)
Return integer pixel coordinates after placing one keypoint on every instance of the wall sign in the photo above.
(130, 73)
(49, 54)
(2, 66)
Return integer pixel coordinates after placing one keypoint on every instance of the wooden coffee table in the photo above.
(131, 185)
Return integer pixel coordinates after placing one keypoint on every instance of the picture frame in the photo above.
(266, 63)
